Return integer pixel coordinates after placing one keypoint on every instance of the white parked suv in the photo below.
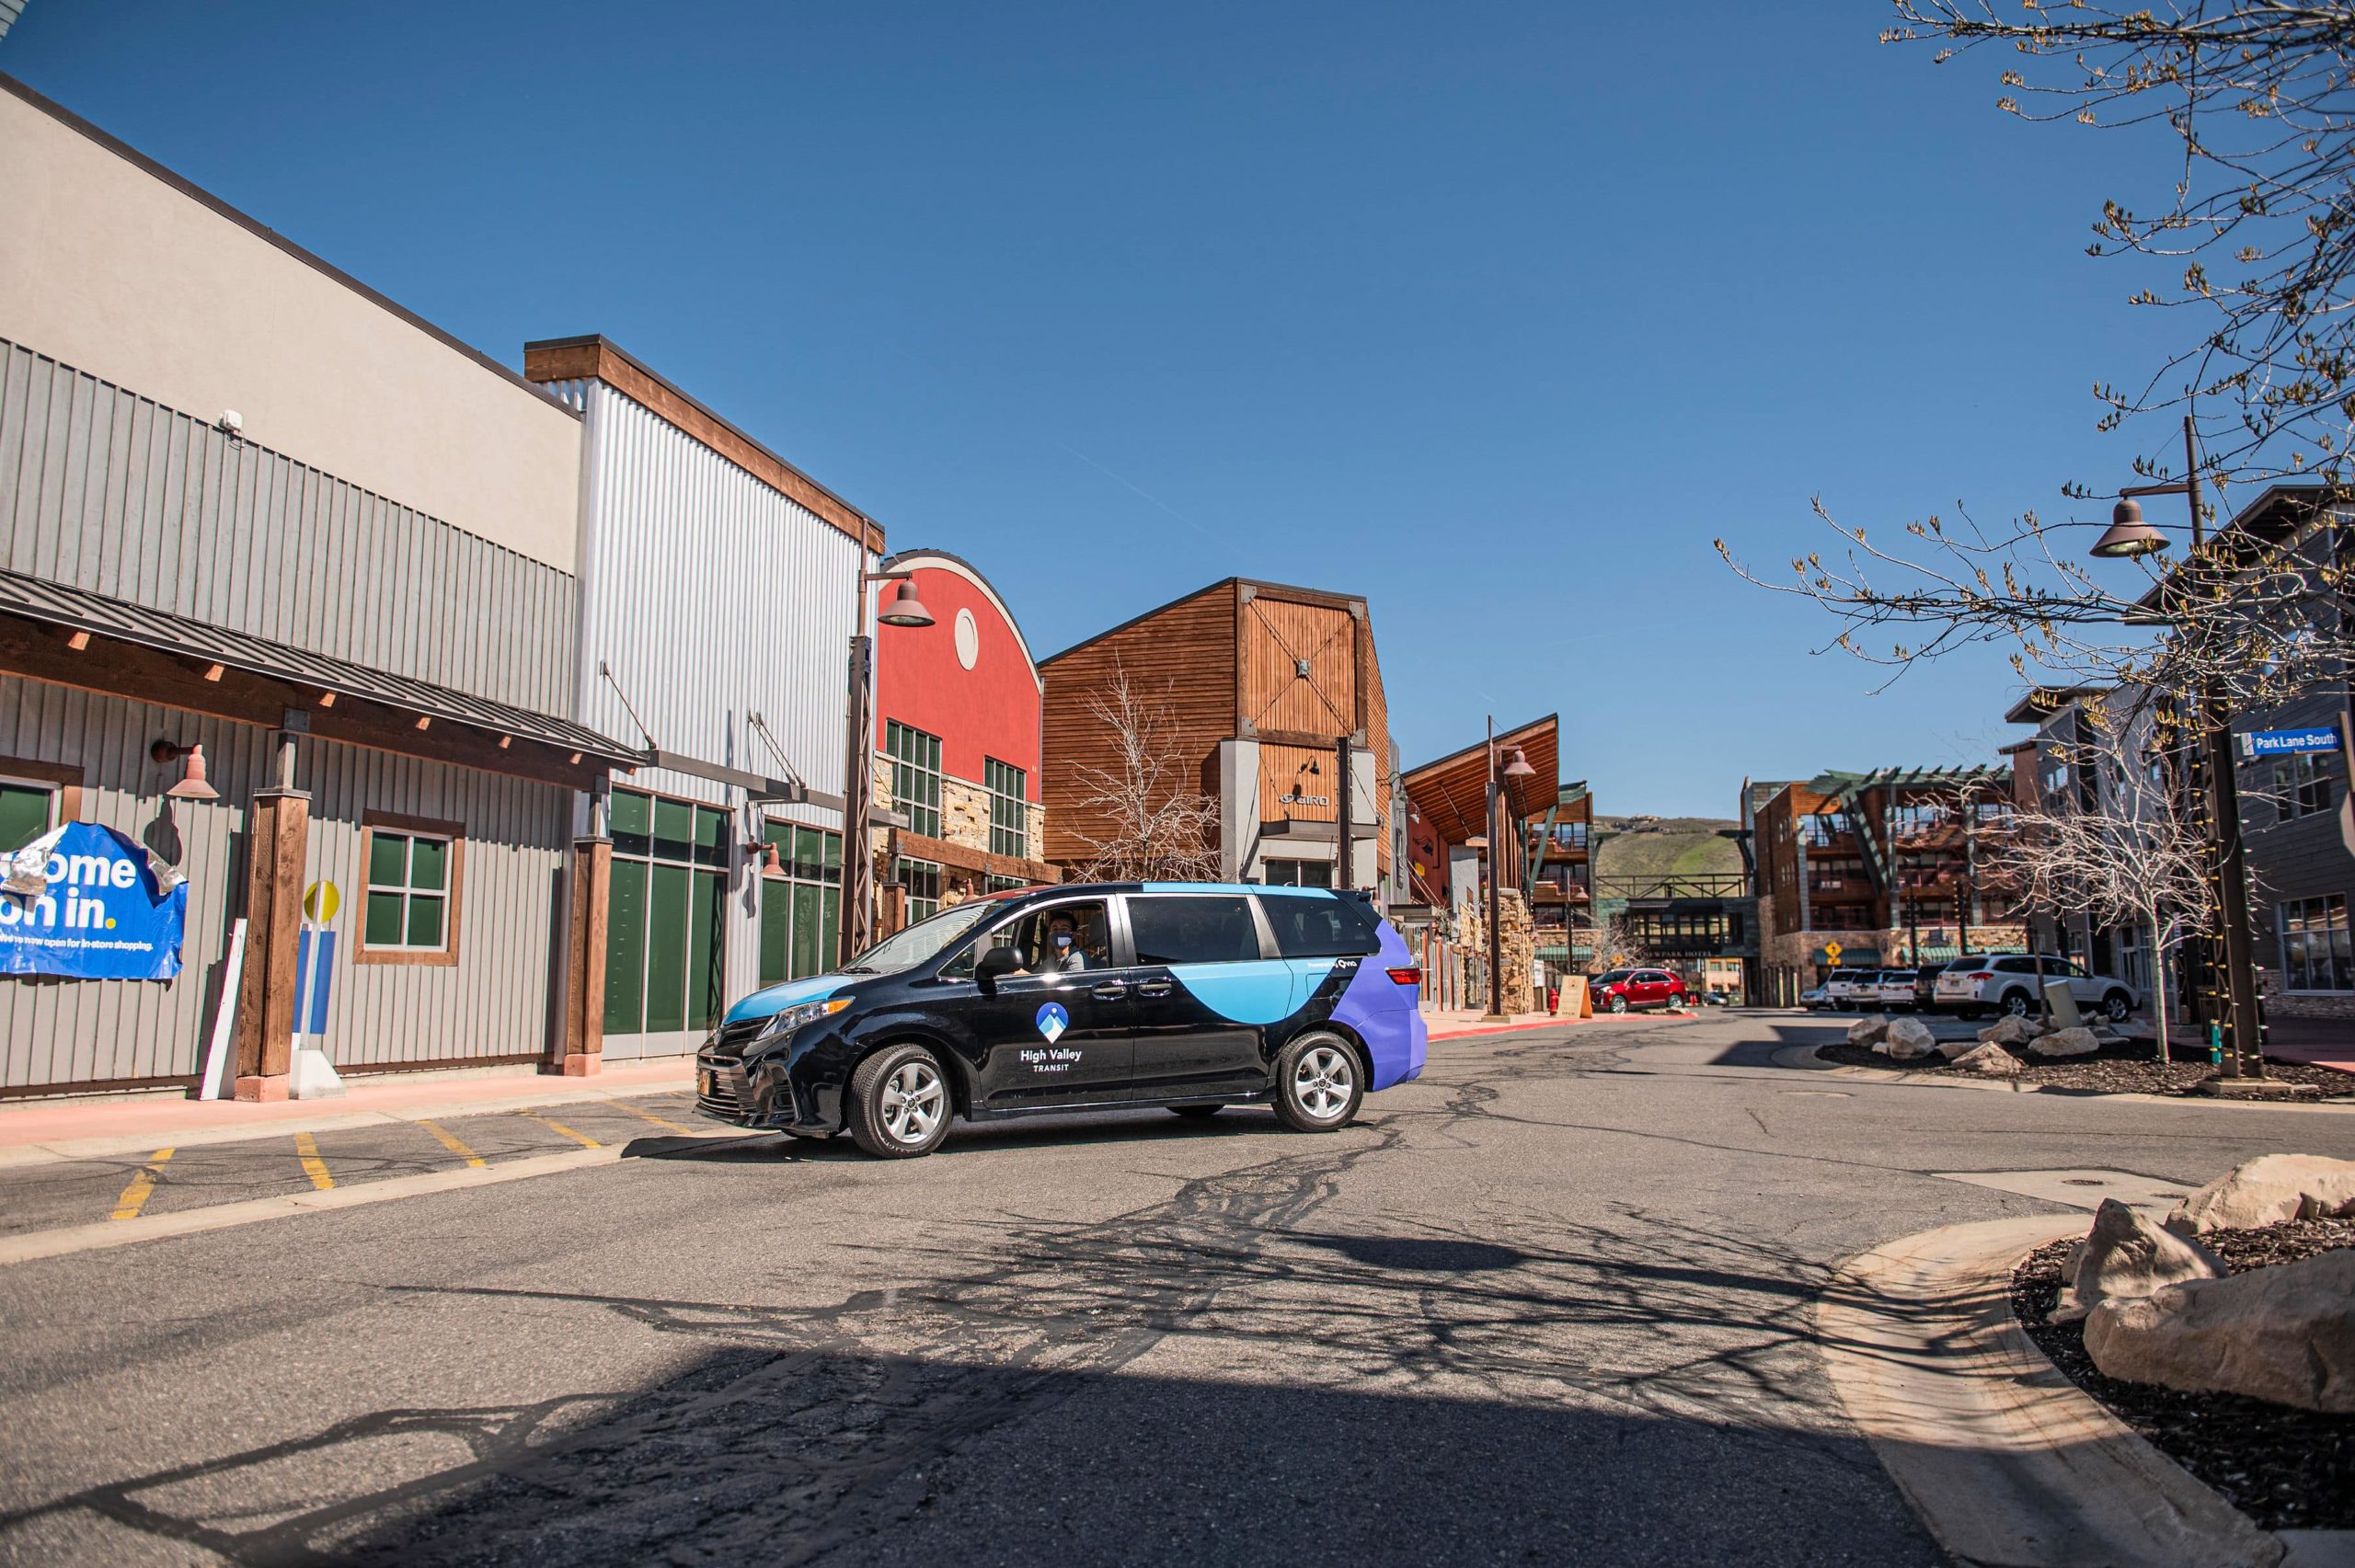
(1848, 990)
(2006, 983)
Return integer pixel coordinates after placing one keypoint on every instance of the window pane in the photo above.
(1320, 927)
(387, 859)
(831, 855)
(1202, 930)
(626, 949)
(384, 928)
(632, 817)
(711, 836)
(24, 814)
(705, 943)
(425, 920)
(777, 931)
(674, 827)
(426, 866)
(830, 928)
(807, 958)
(666, 948)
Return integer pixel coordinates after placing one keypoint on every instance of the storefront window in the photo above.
(916, 776)
(2315, 954)
(922, 877)
(412, 888)
(801, 902)
(1009, 816)
(664, 921)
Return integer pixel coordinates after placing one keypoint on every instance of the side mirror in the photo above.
(994, 966)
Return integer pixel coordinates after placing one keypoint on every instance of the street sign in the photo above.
(2289, 742)
(320, 902)
(1832, 951)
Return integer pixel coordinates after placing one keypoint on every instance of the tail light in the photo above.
(1409, 976)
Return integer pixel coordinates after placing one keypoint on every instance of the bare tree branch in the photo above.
(1142, 819)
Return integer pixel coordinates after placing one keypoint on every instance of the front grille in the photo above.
(733, 1037)
(721, 1089)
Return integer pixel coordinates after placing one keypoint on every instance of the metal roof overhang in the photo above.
(71, 636)
(1452, 792)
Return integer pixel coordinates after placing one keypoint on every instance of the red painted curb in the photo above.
(1505, 1028)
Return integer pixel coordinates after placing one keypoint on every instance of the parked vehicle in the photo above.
(2006, 983)
(1925, 982)
(1621, 990)
(1843, 986)
(1813, 998)
(1189, 996)
(1894, 989)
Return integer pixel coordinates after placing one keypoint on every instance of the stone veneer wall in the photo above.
(964, 811)
(2280, 1003)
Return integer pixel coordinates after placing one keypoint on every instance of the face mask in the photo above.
(1063, 939)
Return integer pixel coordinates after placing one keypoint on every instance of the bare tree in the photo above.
(2249, 247)
(1142, 819)
(1620, 941)
(2137, 857)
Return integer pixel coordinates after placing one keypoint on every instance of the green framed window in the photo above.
(801, 902)
(916, 775)
(922, 877)
(411, 870)
(665, 918)
(1009, 808)
(28, 809)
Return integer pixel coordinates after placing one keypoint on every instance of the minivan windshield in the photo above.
(920, 941)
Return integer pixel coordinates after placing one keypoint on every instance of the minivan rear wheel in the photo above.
(1319, 1083)
(899, 1102)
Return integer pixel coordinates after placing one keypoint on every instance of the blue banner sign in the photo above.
(2289, 742)
(99, 914)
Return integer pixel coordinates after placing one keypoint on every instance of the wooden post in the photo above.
(580, 1049)
(895, 911)
(279, 833)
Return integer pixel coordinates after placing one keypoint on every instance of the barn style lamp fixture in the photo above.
(2127, 535)
(1516, 765)
(191, 786)
(906, 609)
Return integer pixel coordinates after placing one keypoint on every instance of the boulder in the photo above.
(2284, 1334)
(1955, 1049)
(2009, 1031)
(2125, 1254)
(1994, 1061)
(1910, 1039)
(2065, 1043)
(2267, 1190)
(1867, 1031)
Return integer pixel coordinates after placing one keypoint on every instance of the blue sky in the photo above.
(1496, 315)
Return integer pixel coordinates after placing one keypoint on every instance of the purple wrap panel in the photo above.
(1384, 1014)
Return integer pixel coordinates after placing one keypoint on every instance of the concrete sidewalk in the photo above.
(83, 1128)
(1455, 1023)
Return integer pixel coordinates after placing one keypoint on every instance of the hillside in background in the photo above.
(1629, 848)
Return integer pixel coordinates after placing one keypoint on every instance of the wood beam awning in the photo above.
(70, 636)
(1452, 792)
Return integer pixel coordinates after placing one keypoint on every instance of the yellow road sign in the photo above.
(1832, 951)
(320, 902)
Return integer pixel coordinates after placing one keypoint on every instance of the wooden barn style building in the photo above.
(1268, 695)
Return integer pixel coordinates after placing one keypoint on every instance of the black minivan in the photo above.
(1191, 996)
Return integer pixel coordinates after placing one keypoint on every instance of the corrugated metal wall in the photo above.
(712, 597)
(495, 999)
(55, 1031)
(112, 492)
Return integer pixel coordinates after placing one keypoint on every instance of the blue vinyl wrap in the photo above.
(1258, 990)
(778, 998)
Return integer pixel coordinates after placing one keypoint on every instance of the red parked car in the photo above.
(1620, 990)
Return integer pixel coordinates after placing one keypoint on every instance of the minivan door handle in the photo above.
(1154, 987)
(1110, 990)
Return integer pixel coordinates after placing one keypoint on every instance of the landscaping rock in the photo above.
(2285, 1333)
(2065, 1043)
(2010, 1032)
(1992, 1060)
(1868, 1031)
(1955, 1049)
(2267, 1190)
(1911, 1039)
(2125, 1254)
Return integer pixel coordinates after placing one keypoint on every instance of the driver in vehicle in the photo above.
(1062, 955)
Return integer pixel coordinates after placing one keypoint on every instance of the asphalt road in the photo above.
(1552, 1301)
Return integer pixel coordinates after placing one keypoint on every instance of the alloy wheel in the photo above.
(1322, 1080)
(914, 1100)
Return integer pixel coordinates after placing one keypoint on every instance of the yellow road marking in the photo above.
(312, 1166)
(452, 1145)
(134, 1197)
(649, 1116)
(583, 1139)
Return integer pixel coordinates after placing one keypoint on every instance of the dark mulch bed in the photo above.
(2128, 1066)
(2286, 1469)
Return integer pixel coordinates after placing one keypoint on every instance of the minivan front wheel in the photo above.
(1318, 1083)
(899, 1102)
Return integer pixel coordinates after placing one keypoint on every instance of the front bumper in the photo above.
(726, 1091)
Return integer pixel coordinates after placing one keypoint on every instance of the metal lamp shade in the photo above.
(2129, 534)
(1517, 766)
(192, 785)
(906, 609)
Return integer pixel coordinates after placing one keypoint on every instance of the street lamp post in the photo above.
(858, 866)
(2129, 535)
(1516, 767)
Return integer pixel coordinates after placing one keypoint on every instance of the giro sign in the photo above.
(83, 902)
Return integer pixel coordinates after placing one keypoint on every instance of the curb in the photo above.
(2003, 1457)
(1804, 1057)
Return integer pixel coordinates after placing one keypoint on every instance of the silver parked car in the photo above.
(2006, 983)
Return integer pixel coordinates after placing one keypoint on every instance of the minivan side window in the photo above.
(1320, 927)
(1194, 929)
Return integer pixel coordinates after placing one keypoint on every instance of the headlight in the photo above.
(785, 1020)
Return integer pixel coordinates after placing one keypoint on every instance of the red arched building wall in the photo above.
(991, 710)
